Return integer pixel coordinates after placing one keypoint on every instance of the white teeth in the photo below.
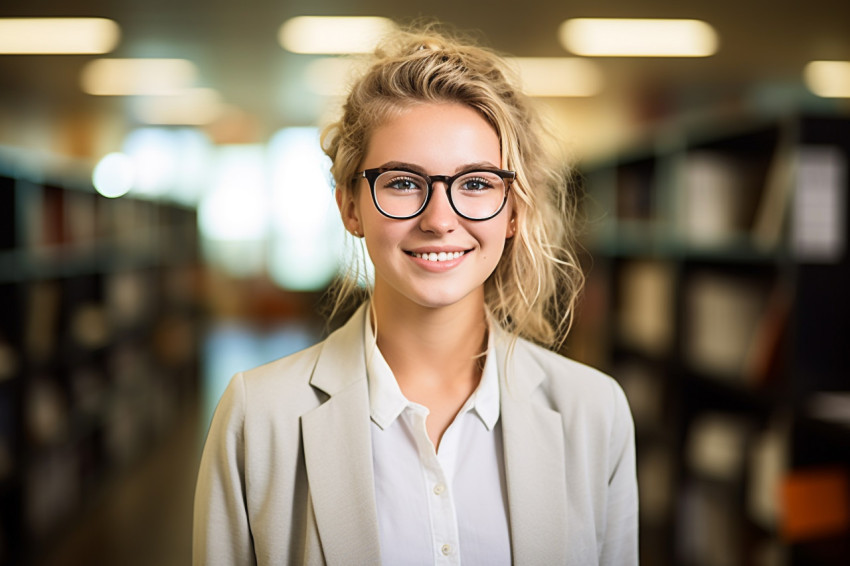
(441, 256)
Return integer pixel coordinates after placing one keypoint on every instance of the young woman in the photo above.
(433, 427)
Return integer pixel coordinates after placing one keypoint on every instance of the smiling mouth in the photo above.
(437, 256)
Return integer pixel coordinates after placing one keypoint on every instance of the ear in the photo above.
(349, 211)
(510, 230)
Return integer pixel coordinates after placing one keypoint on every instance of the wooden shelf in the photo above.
(84, 295)
(713, 314)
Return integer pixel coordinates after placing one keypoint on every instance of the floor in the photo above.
(144, 516)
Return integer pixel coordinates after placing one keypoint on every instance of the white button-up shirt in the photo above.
(447, 507)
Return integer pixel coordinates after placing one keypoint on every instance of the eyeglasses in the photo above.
(478, 194)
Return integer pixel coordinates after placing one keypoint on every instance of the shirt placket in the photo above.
(444, 530)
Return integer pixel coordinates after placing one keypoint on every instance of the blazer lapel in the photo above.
(534, 463)
(338, 451)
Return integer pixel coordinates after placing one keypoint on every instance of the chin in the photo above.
(442, 300)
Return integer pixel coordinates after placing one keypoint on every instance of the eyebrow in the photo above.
(421, 170)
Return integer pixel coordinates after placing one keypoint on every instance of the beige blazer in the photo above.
(286, 473)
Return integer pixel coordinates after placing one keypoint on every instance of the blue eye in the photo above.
(405, 184)
(476, 184)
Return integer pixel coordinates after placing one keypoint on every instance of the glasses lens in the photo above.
(400, 193)
(478, 194)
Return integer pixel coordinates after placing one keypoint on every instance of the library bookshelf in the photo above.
(98, 342)
(719, 296)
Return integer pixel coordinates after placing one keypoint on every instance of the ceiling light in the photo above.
(192, 107)
(612, 37)
(829, 79)
(333, 35)
(113, 176)
(122, 77)
(558, 76)
(47, 36)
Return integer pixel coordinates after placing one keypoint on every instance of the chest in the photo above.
(436, 507)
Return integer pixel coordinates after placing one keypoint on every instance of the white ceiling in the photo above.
(764, 46)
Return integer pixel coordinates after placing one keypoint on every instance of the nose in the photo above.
(438, 217)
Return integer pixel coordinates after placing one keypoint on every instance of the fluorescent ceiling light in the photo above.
(192, 107)
(612, 37)
(123, 77)
(49, 36)
(558, 76)
(829, 79)
(333, 35)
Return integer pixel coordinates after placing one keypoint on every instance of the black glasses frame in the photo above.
(372, 175)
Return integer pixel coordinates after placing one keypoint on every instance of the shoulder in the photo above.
(286, 372)
(560, 369)
(567, 385)
(305, 379)
(260, 390)
(284, 382)
(301, 381)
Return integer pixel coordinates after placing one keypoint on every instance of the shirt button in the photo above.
(446, 549)
(439, 489)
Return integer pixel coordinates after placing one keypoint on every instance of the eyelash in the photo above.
(397, 180)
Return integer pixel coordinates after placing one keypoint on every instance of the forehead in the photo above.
(434, 135)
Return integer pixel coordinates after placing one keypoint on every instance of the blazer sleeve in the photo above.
(222, 534)
(620, 546)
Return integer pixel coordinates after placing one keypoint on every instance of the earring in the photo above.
(356, 233)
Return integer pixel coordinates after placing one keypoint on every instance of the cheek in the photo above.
(382, 234)
(495, 241)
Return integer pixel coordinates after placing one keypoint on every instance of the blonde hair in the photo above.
(534, 288)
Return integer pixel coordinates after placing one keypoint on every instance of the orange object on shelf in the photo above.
(815, 504)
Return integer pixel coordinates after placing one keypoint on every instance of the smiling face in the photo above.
(436, 259)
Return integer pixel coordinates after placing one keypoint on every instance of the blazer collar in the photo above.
(338, 451)
(535, 472)
(342, 361)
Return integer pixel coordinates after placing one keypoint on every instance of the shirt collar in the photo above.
(387, 402)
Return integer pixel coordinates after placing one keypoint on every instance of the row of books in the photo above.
(732, 327)
(743, 200)
(53, 223)
(98, 418)
(84, 312)
(740, 473)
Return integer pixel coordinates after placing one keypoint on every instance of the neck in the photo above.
(438, 345)
(434, 353)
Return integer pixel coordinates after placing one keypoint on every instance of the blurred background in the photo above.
(166, 220)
